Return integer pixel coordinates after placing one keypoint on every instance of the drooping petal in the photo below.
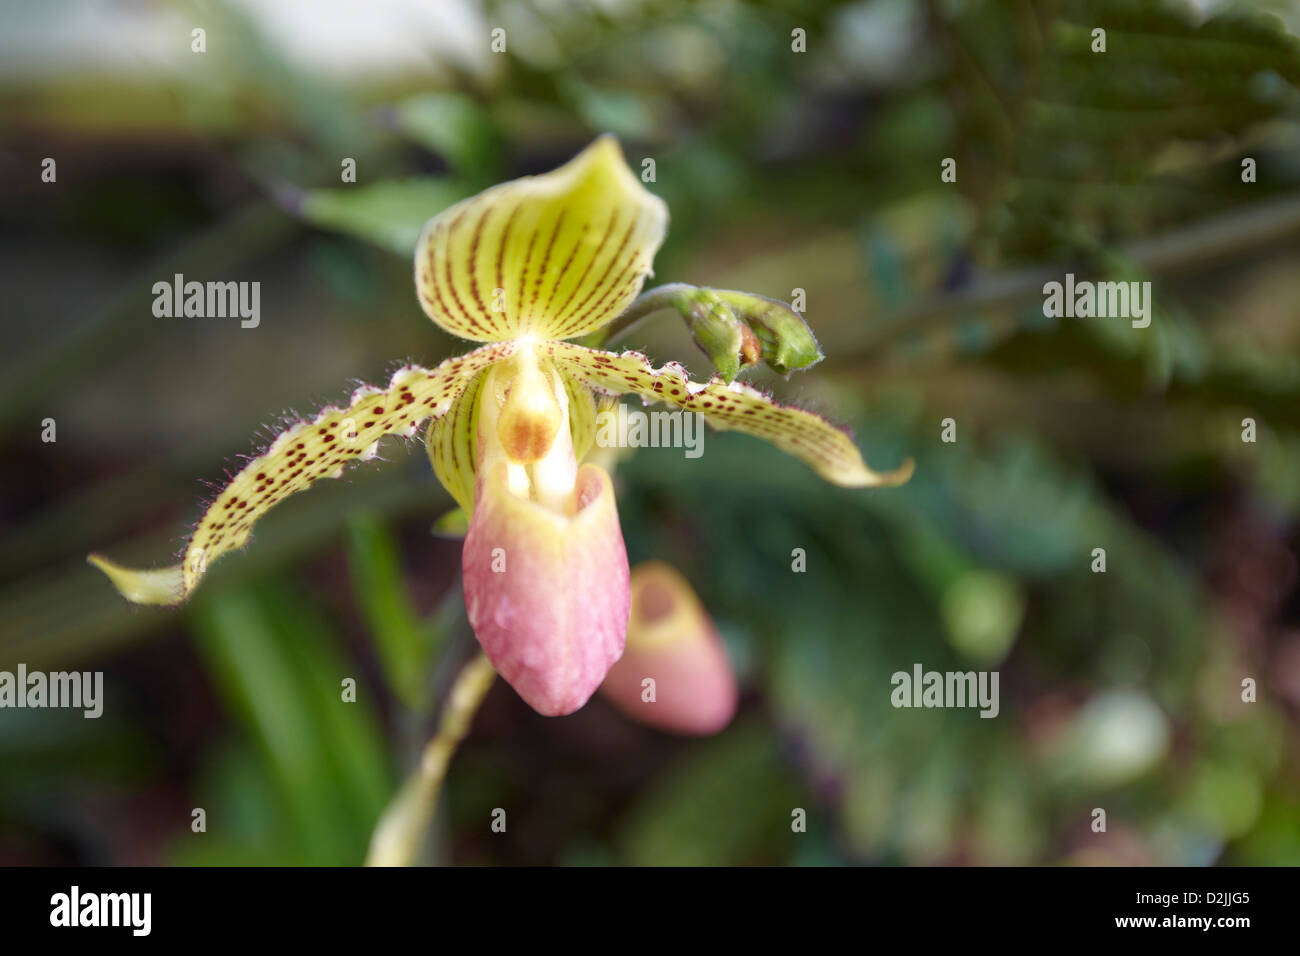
(826, 449)
(307, 451)
(551, 256)
(546, 590)
(672, 642)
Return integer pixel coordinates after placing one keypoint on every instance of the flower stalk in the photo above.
(399, 834)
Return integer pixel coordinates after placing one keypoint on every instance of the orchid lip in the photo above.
(547, 591)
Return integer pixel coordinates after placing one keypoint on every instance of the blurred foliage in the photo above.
(321, 767)
(817, 171)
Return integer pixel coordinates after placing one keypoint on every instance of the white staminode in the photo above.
(556, 473)
(550, 480)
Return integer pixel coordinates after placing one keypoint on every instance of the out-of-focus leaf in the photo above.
(279, 668)
(1224, 798)
(247, 819)
(625, 113)
(406, 646)
(982, 611)
(456, 128)
(257, 679)
(389, 214)
(728, 802)
(1275, 839)
(1061, 146)
(451, 524)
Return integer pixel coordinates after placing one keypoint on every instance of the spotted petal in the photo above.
(307, 451)
(550, 257)
(826, 449)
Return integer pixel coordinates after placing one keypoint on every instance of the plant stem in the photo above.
(647, 303)
(400, 832)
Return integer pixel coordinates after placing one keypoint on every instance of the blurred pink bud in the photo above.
(546, 589)
(672, 642)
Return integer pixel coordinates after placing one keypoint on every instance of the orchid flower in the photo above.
(675, 673)
(522, 267)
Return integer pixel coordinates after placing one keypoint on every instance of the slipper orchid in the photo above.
(522, 267)
(675, 673)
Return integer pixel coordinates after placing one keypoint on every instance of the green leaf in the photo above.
(456, 128)
(405, 645)
(389, 214)
(280, 669)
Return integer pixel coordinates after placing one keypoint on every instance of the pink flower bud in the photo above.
(672, 642)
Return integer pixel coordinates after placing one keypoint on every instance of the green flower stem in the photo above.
(400, 832)
(674, 295)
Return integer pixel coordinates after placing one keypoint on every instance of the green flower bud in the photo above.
(737, 330)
